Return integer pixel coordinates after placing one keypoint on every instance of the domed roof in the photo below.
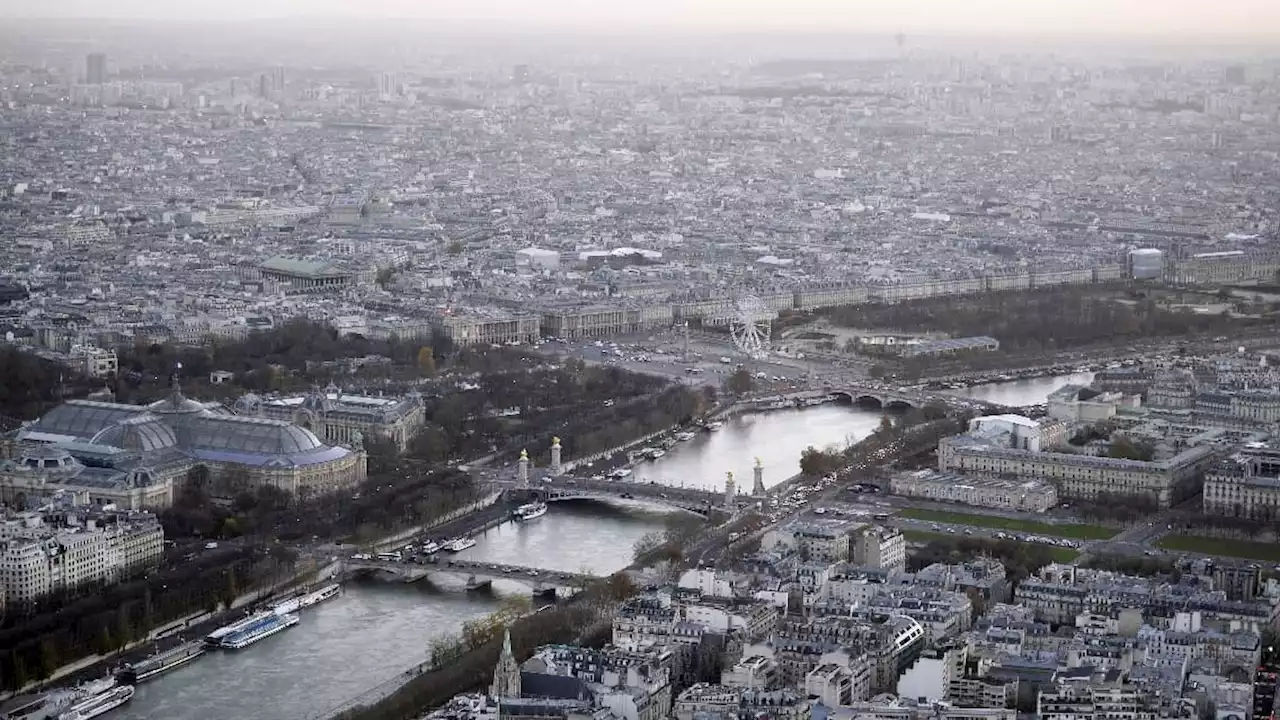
(45, 457)
(249, 436)
(141, 433)
(177, 404)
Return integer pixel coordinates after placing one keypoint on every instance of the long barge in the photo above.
(99, 704)
(246, 632)
(302, 602)
(160, 663)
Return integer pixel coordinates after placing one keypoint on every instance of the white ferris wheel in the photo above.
(750, 326)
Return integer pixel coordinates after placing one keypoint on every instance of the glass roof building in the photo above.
(168, 438)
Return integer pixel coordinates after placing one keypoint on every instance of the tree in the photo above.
(426, 361)
(431, 443)
(124, 628)
(740, 382)
(382, 455)
(198, 477)
(619, 586)
(1125, 449)
(455, 248)
(49, 659)
(230, 528)
(444, 650)
(232, 589)
(876, 371)
(815, 462)
(648, 544)
(885, 429)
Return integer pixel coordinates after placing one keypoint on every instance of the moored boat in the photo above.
(250, 630)
(325, 593)
(99, 703)
(459, 544)
(160, 663)
(268, 624)
(531, 511)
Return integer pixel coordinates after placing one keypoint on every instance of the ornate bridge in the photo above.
(476, 574)
(701, 502)
(888, 397)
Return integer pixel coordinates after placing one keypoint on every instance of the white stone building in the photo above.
(1029, 495)
(37, 558)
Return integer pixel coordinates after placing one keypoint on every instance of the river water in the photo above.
(374, 631)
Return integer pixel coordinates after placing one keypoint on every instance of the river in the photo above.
(1032, 391)
(374, 631)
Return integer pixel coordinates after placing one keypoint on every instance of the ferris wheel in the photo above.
(750, 326)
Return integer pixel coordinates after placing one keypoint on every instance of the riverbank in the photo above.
(467, 520)
(194, 625)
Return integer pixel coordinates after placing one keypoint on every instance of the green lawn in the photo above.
(1266, 552)
(1075, 531)
(1059, 554)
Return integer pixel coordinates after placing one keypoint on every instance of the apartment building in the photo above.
(488, 326)
(1086, 694)
(1080, 476)
(1063, 593)
(818, 542)
(874, 546)
(876, 646)
(574, 322)
(753, 672)
(982, 578)
(94, 361)
(1031, 495)
(634, 685)
(1258, 407)
(1076, 404)
(837, 684)
(39, 557)
(909, 709)
(717, 702)
(1245, 485)
(343, 418)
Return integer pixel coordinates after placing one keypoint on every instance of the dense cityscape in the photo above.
(416, 375)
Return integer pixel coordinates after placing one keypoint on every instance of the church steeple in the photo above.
(506, 676)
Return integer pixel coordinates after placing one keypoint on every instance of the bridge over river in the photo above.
(693, 500)
(476, 574)
(886, 396)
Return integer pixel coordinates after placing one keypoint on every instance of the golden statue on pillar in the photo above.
(524, 454)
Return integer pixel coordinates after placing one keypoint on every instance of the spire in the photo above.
(506, 675)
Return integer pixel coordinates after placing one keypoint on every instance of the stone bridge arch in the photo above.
(874, 401)
(608, 499)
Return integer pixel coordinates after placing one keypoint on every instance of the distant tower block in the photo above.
(524, 468)
(730, 491)
(757, 489)
(555, 456)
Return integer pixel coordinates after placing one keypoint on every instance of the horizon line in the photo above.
(641, 28)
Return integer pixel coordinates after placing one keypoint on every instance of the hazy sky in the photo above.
(1251, 18)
